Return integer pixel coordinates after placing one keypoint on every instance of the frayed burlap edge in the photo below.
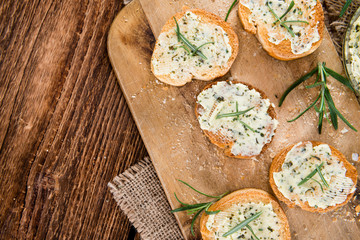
(139, 195)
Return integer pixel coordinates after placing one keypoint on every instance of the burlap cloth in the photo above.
(138, 191)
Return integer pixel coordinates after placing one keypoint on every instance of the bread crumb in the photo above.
(357, 210)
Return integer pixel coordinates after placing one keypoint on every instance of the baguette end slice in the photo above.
(244, 196)
(215, 72)
(276, 166)
(283, 50)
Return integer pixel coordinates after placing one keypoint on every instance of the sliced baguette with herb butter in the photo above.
(278, 41)
(174, 63)
(239, 206)
(242, 136)
(291, 180)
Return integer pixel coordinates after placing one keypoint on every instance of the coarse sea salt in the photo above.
(355, 157)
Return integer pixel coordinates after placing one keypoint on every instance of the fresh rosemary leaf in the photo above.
(296, 21)
(311, 105)
(231, 7)
(233, 114)
(177, 199)
(189, 207)
(238, 118)
(197, 49)
(322, 189)
(246, 125)
(307, 178)
(193, 221)
(343, 10)
(187, 42)
(199, 191)
(187, 50)
(321, 176)
(243, 224)
(315, 85)
(321, 110)
(287, 28)
(331, 107)
(251, 230)
(210, 212)
(340, 78)
(297, 83)
(287, 11)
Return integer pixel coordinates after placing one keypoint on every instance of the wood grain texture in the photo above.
(65, 129)
(179, 150)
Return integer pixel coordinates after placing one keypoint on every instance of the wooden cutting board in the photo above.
(179, 150)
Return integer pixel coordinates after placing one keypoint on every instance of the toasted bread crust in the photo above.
(215, 72)
(276, 166)
(221, 141)
(281, 51)
(244, 196)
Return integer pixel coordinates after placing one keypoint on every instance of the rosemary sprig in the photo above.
(307, 178)
(193, 49)
(283, 23)
(231, 7)
(324, 96)
(236, 114)
(321, 176)
(198, 207)
(346, 5)
(318, 171)
(243, 224)
(233, 114)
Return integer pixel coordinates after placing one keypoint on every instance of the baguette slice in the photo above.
(245, 196)
(224, 142)
(277, 164)
(283, 50)
(170, 62)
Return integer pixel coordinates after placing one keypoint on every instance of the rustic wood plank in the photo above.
(179, 150)
(65, 128)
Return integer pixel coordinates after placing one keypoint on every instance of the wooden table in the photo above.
(65, 128)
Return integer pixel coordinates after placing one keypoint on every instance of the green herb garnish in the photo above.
(231, 7)
(283, 23)
(236, 114)
(233, 114)
(324, 96)
(346, 5)
(243, 224)
(317, 170)
(198, 207)
(188, 45)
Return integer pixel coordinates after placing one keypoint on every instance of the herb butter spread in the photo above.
(170, 57)
(305, 34)
(267, 226)
(354, 41)
(300, 161)
(222, 97)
